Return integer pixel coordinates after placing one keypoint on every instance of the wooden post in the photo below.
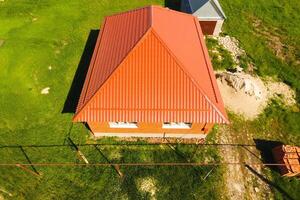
(115, 167)
(33, 171)
(208, 173)
(27, 170)
(78, 152)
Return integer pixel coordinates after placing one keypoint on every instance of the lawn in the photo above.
(269, 33)
(42, 44)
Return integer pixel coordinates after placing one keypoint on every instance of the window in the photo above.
(177, 125)
(123, 124)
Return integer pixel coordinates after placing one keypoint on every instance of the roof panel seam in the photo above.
(190, 77)
(129, 52)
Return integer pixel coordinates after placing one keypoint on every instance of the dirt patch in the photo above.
(248, 95)
(272, 37)
(147, 185)
(239, 181)
(282, 90)
(275, 40)
(1, 42)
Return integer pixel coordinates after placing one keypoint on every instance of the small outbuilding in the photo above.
(150, 76)
(208, 12)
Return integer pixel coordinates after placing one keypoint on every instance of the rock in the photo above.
(34, 19)
(241, 83)
(232, 45)
(239, 69)
(50, 67)
(45, 90)
(256, 189)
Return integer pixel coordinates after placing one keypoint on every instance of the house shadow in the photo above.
(173, 4)
(265, 147)
(81, 72)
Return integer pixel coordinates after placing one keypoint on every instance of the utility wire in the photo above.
(142, 164)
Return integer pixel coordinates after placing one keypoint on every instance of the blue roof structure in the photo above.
(208, 9)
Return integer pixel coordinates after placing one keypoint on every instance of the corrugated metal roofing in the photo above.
(166, 76)
(119, 35)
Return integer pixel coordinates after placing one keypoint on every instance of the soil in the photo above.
(240, 182)
(275, 41)
(1, 41)
(250, 101)
(272, 37)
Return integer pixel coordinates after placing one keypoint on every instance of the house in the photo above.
(208, 12)
(150, 76)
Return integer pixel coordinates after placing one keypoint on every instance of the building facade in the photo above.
(208, 12)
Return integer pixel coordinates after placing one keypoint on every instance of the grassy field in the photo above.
(269, 33)
(41, 35)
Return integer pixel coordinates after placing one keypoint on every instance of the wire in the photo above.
(141, 164)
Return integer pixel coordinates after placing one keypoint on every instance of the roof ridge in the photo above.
(171, 10)
(129, 11)
(97, 90)
(219, 8)
(189, 76)
(209, 72)
(93, 61)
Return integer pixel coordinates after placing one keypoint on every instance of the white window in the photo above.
(178, 125)
(123, 124)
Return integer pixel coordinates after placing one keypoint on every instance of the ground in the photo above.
(41, 44)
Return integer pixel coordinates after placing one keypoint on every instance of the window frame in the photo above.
(123, 125)
(176, 125)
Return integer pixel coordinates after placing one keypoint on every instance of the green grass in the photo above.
(39, 34)
(276, 124)
(281, 19)
(279, 14)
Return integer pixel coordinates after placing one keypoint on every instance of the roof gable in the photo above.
(159, 88)
(208, 9)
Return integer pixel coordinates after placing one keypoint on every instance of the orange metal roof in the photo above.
(151, 65)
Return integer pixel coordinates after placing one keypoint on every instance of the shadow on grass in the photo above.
(122, 144)
(78, 81)
(270, 183)
(265, 147)
(173, 4)
(29, 161)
